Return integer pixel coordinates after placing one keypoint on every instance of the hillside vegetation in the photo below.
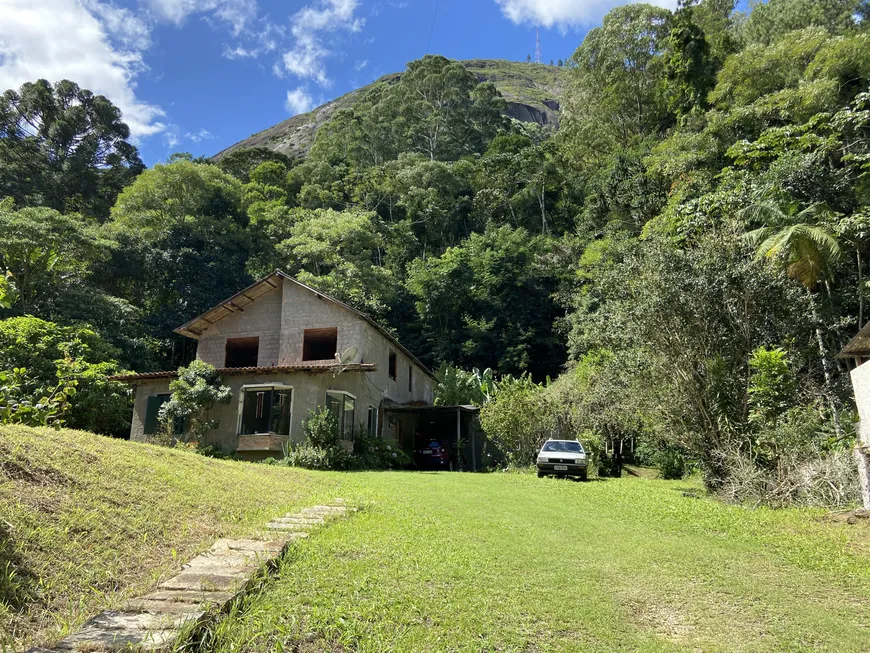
(86, 521)
(533, 93)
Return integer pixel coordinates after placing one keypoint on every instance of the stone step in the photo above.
(230, 559)
(205, 582)
(283, 534)
(258, 546)
(171, 607)
(284, 526)
(114, 630)
(315, 521)
(152, 622)
(192, 597)
(217, 569)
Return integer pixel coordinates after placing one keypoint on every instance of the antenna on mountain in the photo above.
(537, 45)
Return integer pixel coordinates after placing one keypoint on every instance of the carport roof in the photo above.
(859, 346)
(410, 408)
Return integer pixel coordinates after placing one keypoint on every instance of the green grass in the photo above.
(86, 521)
(507, 562)
(434, 562)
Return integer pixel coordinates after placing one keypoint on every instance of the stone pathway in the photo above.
(207, 583)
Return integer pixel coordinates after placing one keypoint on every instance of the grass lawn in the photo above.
(433, 562)
(86, 521)
(501, 562)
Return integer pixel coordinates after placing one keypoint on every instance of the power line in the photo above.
(432, 29)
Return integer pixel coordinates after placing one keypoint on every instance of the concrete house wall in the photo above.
(279, 319)
(861, 386)
(261, 319)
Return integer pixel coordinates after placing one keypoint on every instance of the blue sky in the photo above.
(200, 75)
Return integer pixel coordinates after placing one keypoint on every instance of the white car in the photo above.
(563, 458)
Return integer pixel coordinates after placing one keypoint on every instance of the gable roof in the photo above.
(236, 304)
(859, 346)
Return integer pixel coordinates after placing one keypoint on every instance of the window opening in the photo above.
(242, 352)
(342, 405)
(152, 415)
(319, 344)
(372, 422)
(392, 365)
(266, 410)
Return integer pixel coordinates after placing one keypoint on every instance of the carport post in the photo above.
(471, 435)
(458, 435)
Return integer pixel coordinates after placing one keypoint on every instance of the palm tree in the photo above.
(806, 251)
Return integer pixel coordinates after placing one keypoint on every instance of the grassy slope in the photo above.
(86, 520)
(511, 562)
(518, 81)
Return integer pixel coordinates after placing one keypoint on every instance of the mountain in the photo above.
(533, 93)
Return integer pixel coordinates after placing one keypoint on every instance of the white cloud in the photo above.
(237, 13)
(564, 13)
(171, 136)
(130, 30)
(61, 39)
(359, 65)
(307, 58)
(266, 40)
(298, 101)
(239, 52)
(201, 135)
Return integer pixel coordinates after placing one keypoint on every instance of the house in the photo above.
(858, 350)
(286, 349)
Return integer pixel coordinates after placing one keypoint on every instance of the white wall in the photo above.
(861, 385)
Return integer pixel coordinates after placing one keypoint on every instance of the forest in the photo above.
(672, 271)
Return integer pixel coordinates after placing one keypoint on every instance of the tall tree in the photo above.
(42, 252)
(488, 303)
(771, 20)
(689, 66)
(183, 244)
(615, 91)
(63, 147)
(806, 251)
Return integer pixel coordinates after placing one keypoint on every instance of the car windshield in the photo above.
(563, 446)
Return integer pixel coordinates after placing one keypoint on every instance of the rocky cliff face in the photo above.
(532, 91)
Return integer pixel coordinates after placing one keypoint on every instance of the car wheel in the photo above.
(540, 474)
(583, 476)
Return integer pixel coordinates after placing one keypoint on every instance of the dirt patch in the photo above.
(34, 475)
(664, 620)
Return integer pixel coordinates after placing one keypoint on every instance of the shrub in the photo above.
(517, 419)
(42, 407)
(68, 356)
(771, 387)
(323, 450)
(195, 392)
(311, 457)
(795, 461)
(321, 429)
(670, 463)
